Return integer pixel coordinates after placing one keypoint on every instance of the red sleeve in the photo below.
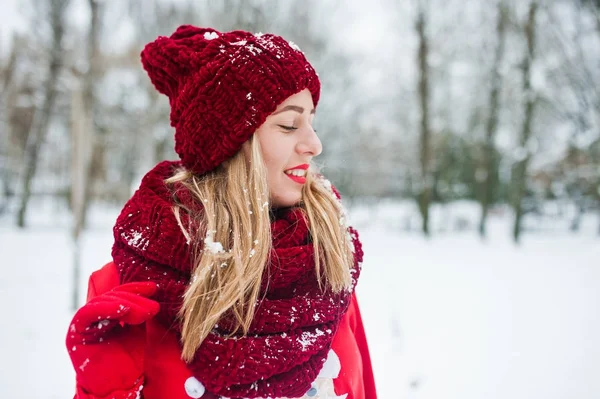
(361, 340)
(92, 292)
(102, 280)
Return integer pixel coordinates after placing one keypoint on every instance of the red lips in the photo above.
(304, 166)
(298, 179)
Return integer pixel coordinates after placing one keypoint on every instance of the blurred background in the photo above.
(464, 135)
(496, 102)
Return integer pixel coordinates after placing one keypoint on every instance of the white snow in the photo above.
(135, 239)
(214, 247)
(294, 46)
(457, 318)
(447, 318)
(307, 338)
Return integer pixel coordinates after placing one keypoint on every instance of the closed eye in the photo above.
(288, 128)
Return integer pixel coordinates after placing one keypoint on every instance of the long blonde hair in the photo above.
(233, 242)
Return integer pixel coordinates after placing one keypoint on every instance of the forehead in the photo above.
(302, 99)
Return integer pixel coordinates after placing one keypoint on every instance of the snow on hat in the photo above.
(222, 86)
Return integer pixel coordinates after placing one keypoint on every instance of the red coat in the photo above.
(165, 373)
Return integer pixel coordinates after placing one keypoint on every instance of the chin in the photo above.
(287, 201)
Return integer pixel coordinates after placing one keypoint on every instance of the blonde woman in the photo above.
(233, 269)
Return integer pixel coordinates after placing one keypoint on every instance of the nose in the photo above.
(310, 143)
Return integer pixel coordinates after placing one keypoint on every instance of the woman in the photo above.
(233, 270)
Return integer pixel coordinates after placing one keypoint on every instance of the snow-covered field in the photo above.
(448, 318)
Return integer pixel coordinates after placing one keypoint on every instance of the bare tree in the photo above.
(594, 7)
(86, 147)
(81, 148)
(7, 73)
(520, 168)
(44, 113)
(89, 80)
(577, 95)
(425, 191)
(17, 110)
(488, 183)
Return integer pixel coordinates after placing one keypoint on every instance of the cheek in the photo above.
(275, 175)
(273, 167)
(275, 162)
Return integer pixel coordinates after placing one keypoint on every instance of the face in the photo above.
(288, 144)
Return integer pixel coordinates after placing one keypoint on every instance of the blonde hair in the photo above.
(233, 242)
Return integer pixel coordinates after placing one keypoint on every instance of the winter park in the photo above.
(462, 136)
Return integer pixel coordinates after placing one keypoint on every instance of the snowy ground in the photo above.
(447, 318)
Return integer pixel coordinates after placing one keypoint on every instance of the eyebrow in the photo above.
(296, 108)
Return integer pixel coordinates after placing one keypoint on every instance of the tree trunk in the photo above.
(94, 165)
(489, 181)
(576, 221)
(43, 115)
(83, 145)
(5, 173)
(9, 71)
(520, 170)
(80, 132)
(424, 195)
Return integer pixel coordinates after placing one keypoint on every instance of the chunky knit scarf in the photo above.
(293, 326)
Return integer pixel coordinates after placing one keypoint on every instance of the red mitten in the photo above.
(106, 341)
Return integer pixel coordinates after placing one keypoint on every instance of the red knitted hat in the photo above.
(222, 87)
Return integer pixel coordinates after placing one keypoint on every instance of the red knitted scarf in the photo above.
(293, 326)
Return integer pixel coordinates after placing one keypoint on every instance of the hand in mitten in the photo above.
(106, 340)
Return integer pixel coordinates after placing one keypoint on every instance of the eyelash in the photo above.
(292, 128)
(288, 128)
